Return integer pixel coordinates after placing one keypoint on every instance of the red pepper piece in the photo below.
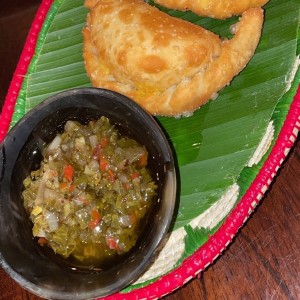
(68, 171)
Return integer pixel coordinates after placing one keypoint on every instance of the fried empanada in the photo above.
(217, 9)
(169, 66)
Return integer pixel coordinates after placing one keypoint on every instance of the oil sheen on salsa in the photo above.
(89, 197)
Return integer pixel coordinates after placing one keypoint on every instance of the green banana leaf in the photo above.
(214, 145)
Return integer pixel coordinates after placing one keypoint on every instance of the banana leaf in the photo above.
(212, 146)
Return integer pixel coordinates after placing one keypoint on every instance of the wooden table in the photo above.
(263, 262)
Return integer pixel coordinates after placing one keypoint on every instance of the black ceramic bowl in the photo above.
(21, 152)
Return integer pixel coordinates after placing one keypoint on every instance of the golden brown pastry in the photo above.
(218, 9)
(90, 3)
(167, 65)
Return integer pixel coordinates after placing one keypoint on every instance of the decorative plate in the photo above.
(227, 152)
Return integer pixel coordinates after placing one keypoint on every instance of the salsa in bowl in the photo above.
(89, 198)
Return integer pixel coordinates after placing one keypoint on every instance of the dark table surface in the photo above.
(263, 262)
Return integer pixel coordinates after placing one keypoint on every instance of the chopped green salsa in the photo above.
(93, 189)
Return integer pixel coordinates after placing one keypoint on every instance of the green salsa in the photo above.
(92, 191)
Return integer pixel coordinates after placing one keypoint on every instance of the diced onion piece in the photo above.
(64, 147)
(52, 220)
(93, 165)
(91, 168)
(79, 143)
(87, 171)
(93, 140)
(70, 125)
(51, 162)
(125, 220)
(40, 193)
(54, 144)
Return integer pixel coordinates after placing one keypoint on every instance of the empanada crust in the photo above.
(218, 9)
(167, 65)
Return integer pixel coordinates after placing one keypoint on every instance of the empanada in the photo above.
(218, 9)
(167, 65)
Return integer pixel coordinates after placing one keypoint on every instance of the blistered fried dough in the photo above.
(90, 3)
(167, 65)
(218, 9)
